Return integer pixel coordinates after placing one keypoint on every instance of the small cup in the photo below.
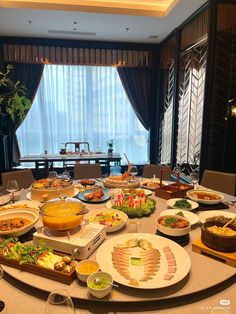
(100, 293)
(133, 226)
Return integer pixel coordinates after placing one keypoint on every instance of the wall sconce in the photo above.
(231, 110)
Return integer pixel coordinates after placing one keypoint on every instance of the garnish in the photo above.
(182, 204)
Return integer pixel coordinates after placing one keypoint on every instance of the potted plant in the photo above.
(14, 106)
(13, 101)
(110, 145)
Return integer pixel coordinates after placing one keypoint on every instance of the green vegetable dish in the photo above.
(102, 284)
(143, 209)
(182, 204)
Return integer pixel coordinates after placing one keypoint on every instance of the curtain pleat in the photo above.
(136, 83)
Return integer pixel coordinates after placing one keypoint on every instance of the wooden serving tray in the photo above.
(66, 278)
(173, 190)
(228, 258)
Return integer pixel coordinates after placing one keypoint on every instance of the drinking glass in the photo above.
(65, 175)
(194, 179)
(134, 171)
(59, 302)
(52, 174)
(12, 186)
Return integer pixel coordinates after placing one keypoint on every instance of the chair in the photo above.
(87, 171)
(150, 170)
(221, 181)
(24, 178)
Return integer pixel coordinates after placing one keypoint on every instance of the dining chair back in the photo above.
(221, 181)
(150, 170)
(23, 177)
(87, 171)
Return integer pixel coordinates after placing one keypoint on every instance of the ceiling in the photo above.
(135, 21)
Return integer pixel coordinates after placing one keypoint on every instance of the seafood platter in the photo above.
(126, 180)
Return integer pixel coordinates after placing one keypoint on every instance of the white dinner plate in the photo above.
(28, 195)
(156, 280)
(211, 213)
(172, 201)
(23, 204)
(192, 218)
(4, 199)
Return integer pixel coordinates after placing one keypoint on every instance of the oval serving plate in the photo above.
(82, 196)
(108, 218)
(172, 201)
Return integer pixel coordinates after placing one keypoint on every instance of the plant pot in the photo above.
(110, 151)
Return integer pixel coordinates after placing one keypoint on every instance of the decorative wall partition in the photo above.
(166, 117)
(191, 100)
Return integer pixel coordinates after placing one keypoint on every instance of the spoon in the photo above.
(97, 281)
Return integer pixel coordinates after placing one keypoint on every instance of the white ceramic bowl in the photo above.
(110, 212)
(173, 231)
(208, 197)
(100, 293)
(32, 215)
(83, 274)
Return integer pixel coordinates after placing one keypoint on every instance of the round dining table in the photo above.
(209, 287)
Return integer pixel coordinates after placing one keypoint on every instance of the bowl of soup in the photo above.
(205, 196)
(62, 214)
(173, 225)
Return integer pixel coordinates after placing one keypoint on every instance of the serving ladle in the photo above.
(98, 281)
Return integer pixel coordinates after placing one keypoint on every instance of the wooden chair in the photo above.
(150, 170)
(87, 171)
(221, 181)
(24, 178)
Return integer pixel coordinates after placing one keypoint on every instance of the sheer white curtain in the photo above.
(82, 103)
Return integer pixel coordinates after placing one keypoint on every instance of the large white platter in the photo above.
(172, 201)
(28, 195)
(183, 263)
(22, 204)
(211, 213)
(192, 218)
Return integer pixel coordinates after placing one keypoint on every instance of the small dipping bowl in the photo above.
(171, 231)
(103, 289)
(85, 268)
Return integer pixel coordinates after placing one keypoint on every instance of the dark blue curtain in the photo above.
(29, 75)
(137, 85)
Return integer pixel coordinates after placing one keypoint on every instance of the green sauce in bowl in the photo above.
(101, 285)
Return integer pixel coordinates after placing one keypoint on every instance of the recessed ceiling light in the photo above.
(75, 22)
(153, 37)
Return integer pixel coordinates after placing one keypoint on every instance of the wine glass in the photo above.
(12, 186)
(194, 177)
(60, 302)
(65, 175)
(52, 174)
(134, 171)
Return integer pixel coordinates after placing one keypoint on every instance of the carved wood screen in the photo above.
(191, 100)
(166, 117)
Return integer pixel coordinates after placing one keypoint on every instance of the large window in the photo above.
(82, 103)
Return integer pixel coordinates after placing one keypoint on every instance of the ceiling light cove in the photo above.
(129, 7)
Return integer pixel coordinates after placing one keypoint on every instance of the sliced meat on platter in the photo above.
(171, 262)
(136, 260)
